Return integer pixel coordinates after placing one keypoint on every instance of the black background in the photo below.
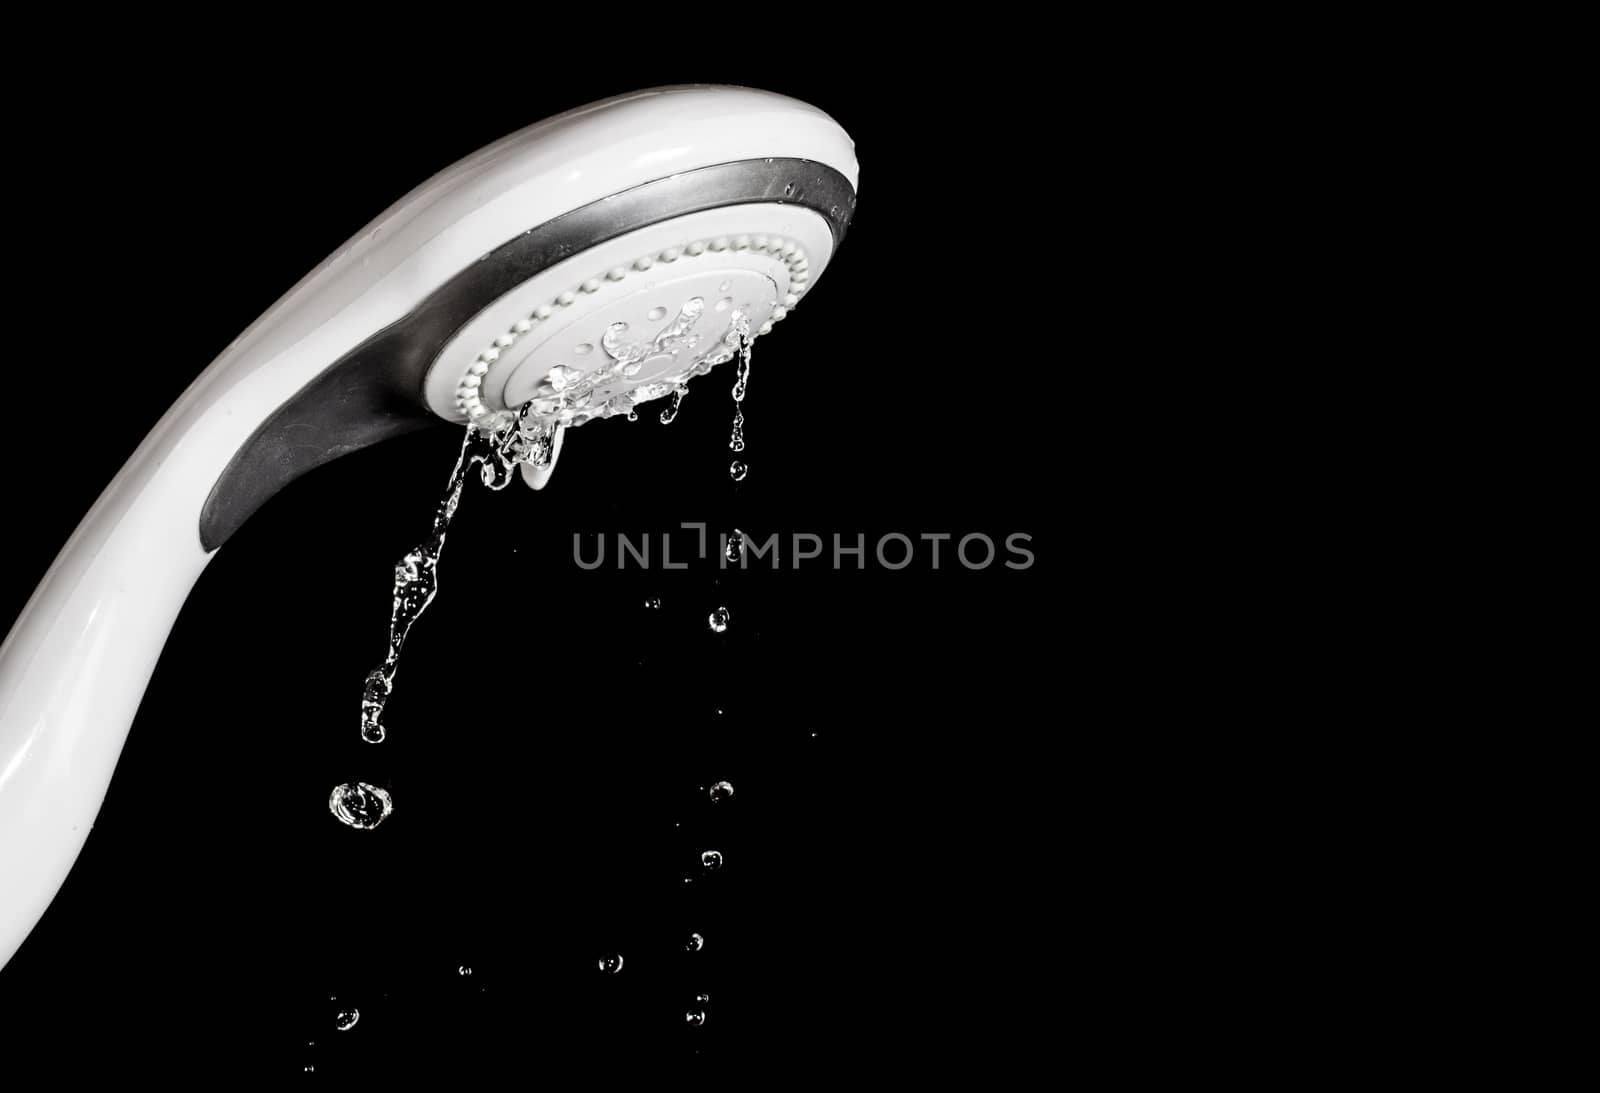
(906, 840)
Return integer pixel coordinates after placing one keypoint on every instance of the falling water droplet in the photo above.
(373, 696)
(695, 943)
(463, 970)
(735, 547)
(722, 791)
(741, 330)
(347, 1019)
(718, 620)
(695, 1018)
(670, 414)
(653, 603)
(702, 998)
(711, 859)
(612, 964)
(742, 376)
(633, 415)
(360, 805)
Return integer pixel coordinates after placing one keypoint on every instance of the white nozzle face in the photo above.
(633, 318)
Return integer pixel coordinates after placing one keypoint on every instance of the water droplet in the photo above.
(735, 549)
(670, 414)
(695, 943)
(657, 314)
(722, 791)
(653, 603)
(633, 415)
(373, 696)
(711, 859)
(702, 998)
(612, 964)
(360, 805)
(718, 620)
(463, 970)
(347, 1019)
(737, 470)
(695, 1018)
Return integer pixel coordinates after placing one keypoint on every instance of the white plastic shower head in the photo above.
(590, 262)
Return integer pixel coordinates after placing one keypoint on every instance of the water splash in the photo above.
(718, 620)
(416, 582)
(360, 805)
(505, 444)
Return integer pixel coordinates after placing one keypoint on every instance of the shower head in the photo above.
(581, 266)
(616, 243)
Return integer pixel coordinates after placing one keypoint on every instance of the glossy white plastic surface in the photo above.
(75, 663)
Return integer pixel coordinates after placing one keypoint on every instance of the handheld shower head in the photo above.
(575, 243)
(583, 265)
